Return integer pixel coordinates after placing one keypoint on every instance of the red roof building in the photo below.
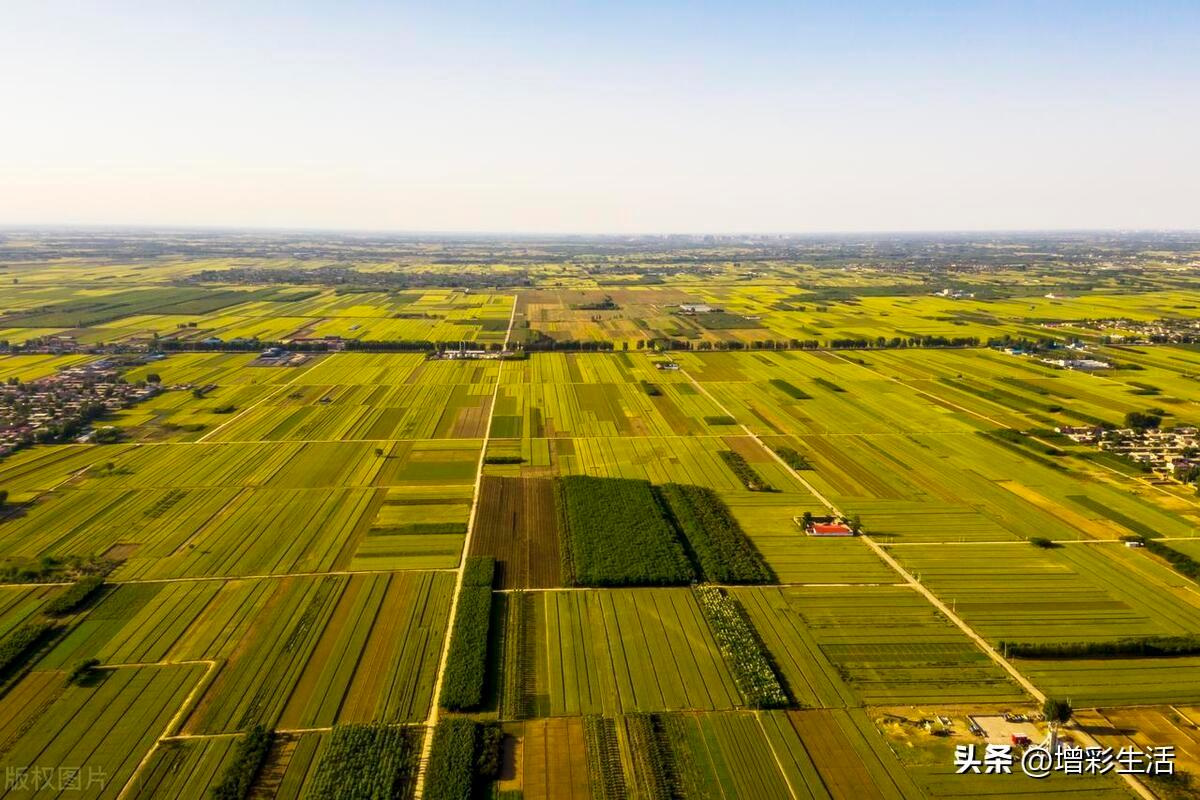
(829, 529)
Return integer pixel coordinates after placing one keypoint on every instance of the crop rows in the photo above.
(722, 551)
(368, 761)
(617, 536)
(742, 649)
(745, 473)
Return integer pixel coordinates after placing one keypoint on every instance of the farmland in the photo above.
(533, 523)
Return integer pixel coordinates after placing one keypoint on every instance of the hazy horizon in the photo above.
(602, 119)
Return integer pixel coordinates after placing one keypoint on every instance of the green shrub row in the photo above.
(368, 761)
(15, 647)
(464, 754)
(792, 458)
(1180, 562)
(479, 571)
(654, 765)
(1134, 647)
(830, 385)
(742, 649)
(722, 551)
(744, 472)
(504, 460)
(606, 775)
(614, 534)
(248, 757)
(75, 596)
(466, 663)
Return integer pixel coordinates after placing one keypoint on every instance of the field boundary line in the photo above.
(1039, 440)
(1024, 682)
(184, 709)
(435, 701)
(758, 717)
(746, 430)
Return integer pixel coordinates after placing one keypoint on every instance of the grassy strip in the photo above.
(372, 760)
(420, 528)
(742, 649)
(720, 419)
(722, 551)
(1135, 647)
(466, 666)
(745, 473)
(792, 458)
(503, 460)
(248, 758)
(464, 754)
(15, 647)
(791, 390)
(75, 596)
(616, 535)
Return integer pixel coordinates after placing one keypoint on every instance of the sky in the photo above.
(602, 117)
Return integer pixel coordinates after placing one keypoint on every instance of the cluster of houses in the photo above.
(278, 357)
(1085, 364)
(1171, 451)
(69, 398)
(955, 294)
(465, 354)
(1162, 331)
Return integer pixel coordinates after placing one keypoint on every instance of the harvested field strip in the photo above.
(554, 760)
(517, 526)
(850, 755)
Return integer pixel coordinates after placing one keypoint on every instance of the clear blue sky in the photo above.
(602, 116)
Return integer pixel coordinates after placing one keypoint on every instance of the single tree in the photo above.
(1058, 713)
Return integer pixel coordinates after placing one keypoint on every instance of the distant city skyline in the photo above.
(595, 118)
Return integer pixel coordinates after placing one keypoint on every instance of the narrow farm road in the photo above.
(1134, 784)
(431, 720)
(186, 708)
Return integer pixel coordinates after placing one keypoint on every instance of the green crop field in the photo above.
(528, 496)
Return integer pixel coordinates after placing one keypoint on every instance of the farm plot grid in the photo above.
(292, 562)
